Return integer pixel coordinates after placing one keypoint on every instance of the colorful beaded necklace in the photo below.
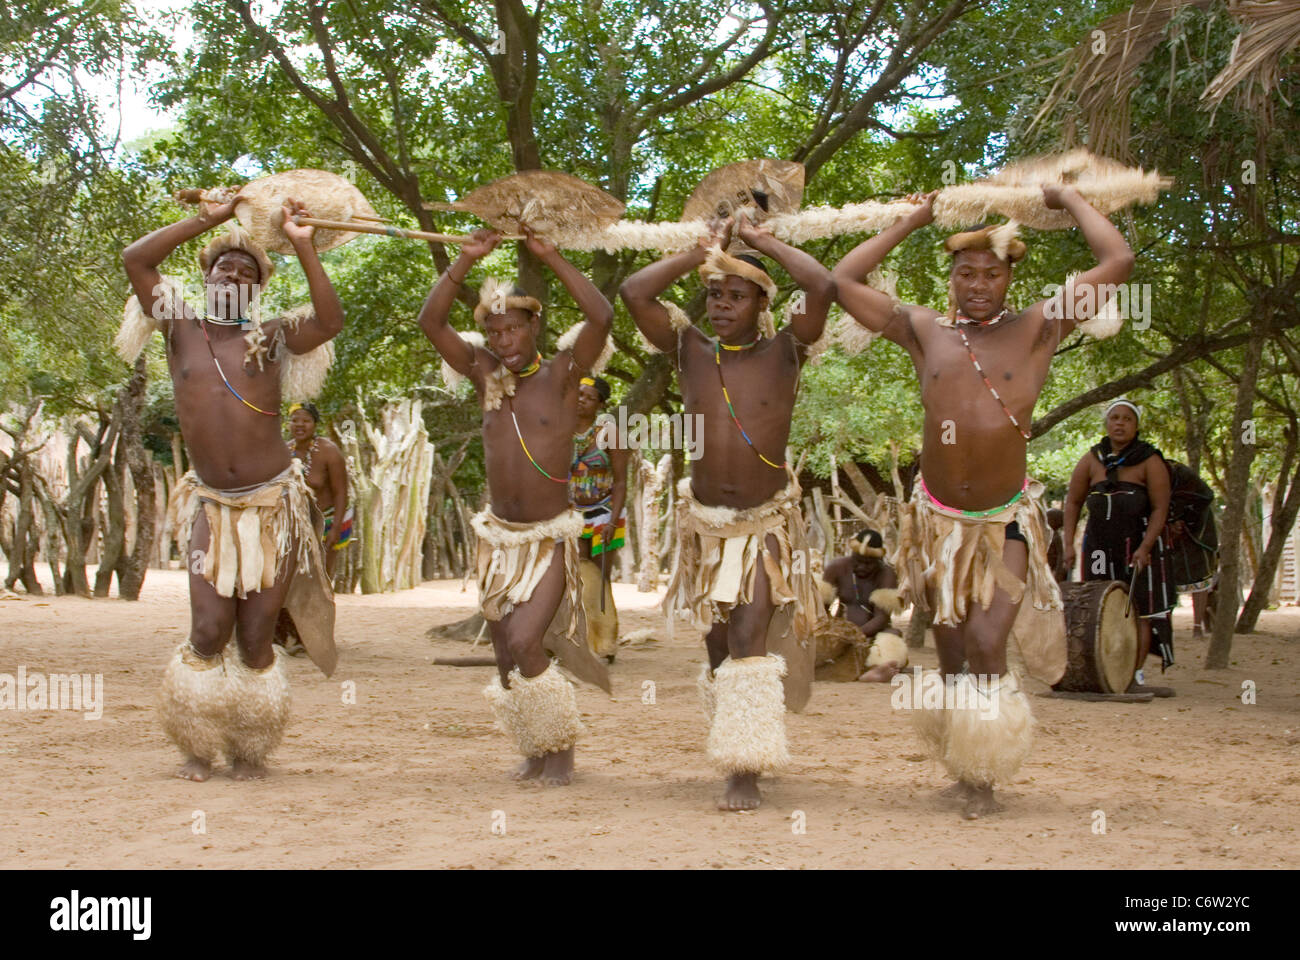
(528, 371)
(980, 370)
(718, 347)
(204, 327)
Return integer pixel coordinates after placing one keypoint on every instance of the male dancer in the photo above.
(972, 543)
(742, 565)
(527, 554)
(245, 507)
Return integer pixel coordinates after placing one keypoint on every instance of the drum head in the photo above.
(1116, 640)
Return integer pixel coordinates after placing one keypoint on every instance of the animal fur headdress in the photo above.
(721, 264)
(868, 543)
(496, 296)
(1002, 239)
(236, 238)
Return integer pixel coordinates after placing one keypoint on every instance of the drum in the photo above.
(1102, 641)
(841, 650)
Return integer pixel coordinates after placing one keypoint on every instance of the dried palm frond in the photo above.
(1270, 29)
(1104, 69)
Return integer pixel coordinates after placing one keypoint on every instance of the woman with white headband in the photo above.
(1124, 482)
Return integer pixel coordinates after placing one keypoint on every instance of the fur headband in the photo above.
(236, 239)
(720, 264)
(1002, 239)
(496, 296)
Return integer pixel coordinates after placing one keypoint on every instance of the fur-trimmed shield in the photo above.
(551, 203)
(734, 187)
(326, 195)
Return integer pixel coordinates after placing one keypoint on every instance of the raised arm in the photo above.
(870, 307)
(813, 279)
(587, 348)
(641, 290)
(437, 307)
(618, 460)
(338, 481)
(326, 320)
(142, 258)
(1074, 498)
(1114, 257)
(1157, 478)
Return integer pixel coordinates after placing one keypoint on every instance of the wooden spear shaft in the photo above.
(384, 230)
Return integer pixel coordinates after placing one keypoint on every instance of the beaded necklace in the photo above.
(717, 358)
(528, 371)
(582, 439)
(306, 461)
(980, 370)
(203, 326)
(962, 318)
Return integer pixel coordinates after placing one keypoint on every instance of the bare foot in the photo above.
(742, 793)
(880, 673)
(530, 769)
(195, 769)
(955, 791)
(243, 770)
(980, 802)
(558, 769)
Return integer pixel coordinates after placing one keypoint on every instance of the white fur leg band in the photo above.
(748, 730)
(194, 703)
(259, 708)
(540, 714)
(989, 738)
(888, 648)
(704, 686)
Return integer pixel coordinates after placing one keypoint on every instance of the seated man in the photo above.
(863, 589)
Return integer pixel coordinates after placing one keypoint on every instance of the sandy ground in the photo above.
(413, 773)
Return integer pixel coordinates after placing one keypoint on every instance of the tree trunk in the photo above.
(1280, 526)
(52, 539)
(77, 511)
(131, 568)
(1236, 483)
(113, 526)
(22, 559)
(652, 480)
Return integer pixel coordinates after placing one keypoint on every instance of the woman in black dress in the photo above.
(1124, 482)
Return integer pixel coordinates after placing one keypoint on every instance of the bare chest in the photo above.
(222, 356)
(761, 380)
